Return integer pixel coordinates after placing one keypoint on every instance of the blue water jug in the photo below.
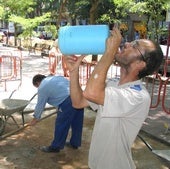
(83, 39)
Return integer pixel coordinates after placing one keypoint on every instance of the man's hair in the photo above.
(153, 61)
(37, 78)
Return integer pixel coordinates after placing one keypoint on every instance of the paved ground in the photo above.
(21, 149)
(158, 125)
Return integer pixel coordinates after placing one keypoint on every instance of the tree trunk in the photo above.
(93, 12)
(61, 10)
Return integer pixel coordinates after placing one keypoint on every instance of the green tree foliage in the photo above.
(20, 7)
(123, 7)
(106, 13)
(155, 11)
(1, 12)
(152, 9)
(95, 11)
(28, 24)
(78, 9)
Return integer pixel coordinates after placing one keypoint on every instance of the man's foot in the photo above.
(49, 149)
(68, 144)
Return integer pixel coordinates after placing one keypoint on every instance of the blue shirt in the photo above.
(52, 90)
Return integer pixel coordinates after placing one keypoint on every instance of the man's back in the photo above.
(55, 89)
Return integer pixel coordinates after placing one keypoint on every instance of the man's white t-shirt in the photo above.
(117, 124)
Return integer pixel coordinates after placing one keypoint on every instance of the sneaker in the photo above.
(49, 149)
(68, 144)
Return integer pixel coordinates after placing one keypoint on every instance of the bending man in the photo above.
(55, 91)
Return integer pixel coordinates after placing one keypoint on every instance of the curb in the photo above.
(155, 137)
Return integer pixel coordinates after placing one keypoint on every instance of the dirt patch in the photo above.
(21, 150)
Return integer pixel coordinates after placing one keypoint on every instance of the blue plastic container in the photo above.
(83, 39)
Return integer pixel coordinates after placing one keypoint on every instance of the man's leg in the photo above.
(77, 127)
(63, 123)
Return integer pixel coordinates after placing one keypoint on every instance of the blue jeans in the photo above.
(68, 117)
